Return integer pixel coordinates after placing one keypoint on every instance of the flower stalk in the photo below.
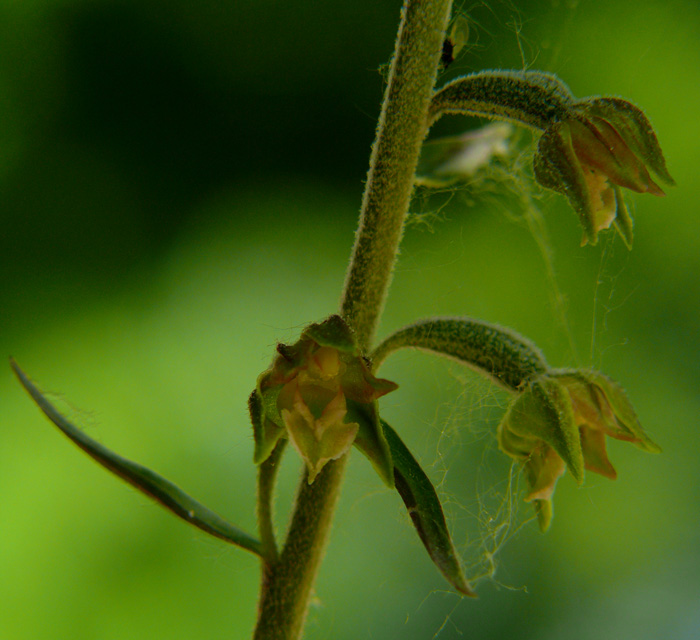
(403, 124)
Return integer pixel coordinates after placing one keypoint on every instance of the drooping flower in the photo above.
(602, 145)
(589, 148)
(560, 421)
(320, 394)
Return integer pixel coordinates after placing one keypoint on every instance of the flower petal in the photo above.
(623, 220)
(544, 468)
(319, 441)
(446, 161)
(360, 385)
(595, 455)
(633, 126)
(628, 425)
(599, 145)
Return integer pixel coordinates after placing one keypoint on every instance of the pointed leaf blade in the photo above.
(371, 439)
(152, 484)
(425, 510)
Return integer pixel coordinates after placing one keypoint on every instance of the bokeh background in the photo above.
(180, 185)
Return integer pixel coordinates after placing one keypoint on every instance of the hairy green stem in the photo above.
(267, 474)
(400, 132)
(509, 359)
(531, 98)
(287, 582)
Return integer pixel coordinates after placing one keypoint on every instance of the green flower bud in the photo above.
(320, 393)
(560, 421)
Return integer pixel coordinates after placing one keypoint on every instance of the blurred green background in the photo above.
(180, 184)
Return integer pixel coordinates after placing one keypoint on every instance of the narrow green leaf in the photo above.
(145, 480)
(425, 510)
(371, 439)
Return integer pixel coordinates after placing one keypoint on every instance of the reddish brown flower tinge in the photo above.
(321, 395)
(561, 421)
(603, 144)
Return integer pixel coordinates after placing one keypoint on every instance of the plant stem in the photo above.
(267, 473)
(400, 132)
(287, 582)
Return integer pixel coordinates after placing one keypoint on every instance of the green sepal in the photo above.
(557, 167)
(424, 507)
(623, 410)
(633, 126)
(152, 484)
(544, 412)
(371, 439)
(266, 433)
(623, 220)
(332, 332)
(501, 354)
(624, 424)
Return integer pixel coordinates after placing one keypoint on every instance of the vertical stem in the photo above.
(267, 473)
(287, 582)
(400, 132)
